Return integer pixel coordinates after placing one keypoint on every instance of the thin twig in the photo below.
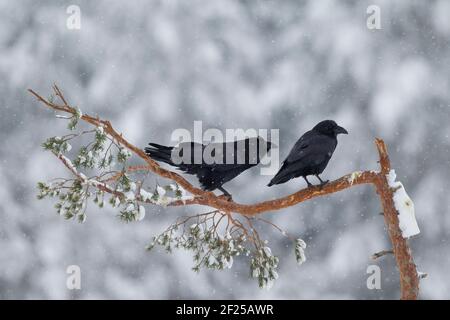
(378, 255)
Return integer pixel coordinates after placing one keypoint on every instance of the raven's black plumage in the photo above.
(310, 154)
(212, 175)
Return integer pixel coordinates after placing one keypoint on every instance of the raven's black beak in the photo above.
(339, 130)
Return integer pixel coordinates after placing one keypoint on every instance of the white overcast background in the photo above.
(154, 66)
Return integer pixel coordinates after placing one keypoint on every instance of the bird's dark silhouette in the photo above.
(213, 164)
(310, 154)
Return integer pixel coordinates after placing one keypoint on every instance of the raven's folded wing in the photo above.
(312, 148)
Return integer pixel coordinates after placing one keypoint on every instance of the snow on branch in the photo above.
(214, 237)
(404, 206)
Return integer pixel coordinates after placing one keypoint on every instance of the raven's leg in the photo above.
(309, 183)
(321, 181)
(225, 192)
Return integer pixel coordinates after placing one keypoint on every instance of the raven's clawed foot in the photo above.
(226, 195)
(307, 182)
(322, 182)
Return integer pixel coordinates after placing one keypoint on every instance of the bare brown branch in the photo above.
(382, 253)
(409, 279)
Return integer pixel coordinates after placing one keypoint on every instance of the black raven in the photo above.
(213, 164)
(310, 154)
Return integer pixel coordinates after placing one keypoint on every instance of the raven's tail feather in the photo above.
(279, 179)
(160, 146)
(160, 153)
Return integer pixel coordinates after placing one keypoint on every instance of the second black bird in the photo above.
(244, 155)
(310, 154)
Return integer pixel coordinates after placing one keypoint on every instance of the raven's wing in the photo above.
(311, 150)
(301, 147)
(190, 158)
(186, 154)
(231, 159)
(234, 155)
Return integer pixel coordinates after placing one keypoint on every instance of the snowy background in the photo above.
(154, 66)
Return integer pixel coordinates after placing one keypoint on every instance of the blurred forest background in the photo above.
(154, 66)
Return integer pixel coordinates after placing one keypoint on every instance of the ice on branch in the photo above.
(145, 196)
(74, 119)
(263, 266)
(141, 214)
(99, 130)
(130, 196)
(422, 275)
(404, 205)
(160, 195)
(123, 155)
(300, 247)
(57, 145)
(353, 176)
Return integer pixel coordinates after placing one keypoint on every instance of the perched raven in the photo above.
(213, 164)
(310, 154)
